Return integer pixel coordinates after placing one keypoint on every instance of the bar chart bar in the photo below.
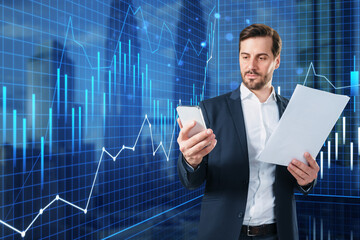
(86, 111)
(344, 129)
(354, 76)
(4, 115)
(42, 163)
(72, 129)
(329, 153)
(351, 156)
(98, 70)
(24, 144)
(50, 131)
(115, 74)
(14, 138)
(58, 91)
(321, 164)
(359, 141)
(66, 95)
(33, 120)
(79, 129)
(92, 97)
(336, 146)
(109, 91)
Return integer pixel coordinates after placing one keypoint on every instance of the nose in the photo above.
(252, 64)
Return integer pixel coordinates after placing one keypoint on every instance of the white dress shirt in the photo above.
(260, 121)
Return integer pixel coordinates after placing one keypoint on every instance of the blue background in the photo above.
(88, 121)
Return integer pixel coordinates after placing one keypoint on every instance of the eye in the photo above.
(262, 58)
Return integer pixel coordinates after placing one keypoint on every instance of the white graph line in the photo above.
(311, 66)
(166, 153)
(207, 61)
(58, 198)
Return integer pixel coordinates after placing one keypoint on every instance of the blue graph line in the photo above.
(164, 26)
(146, 220)
(98, 67)
(311, 66)
(124, 147)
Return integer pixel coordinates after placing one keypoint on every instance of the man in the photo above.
(245, 198)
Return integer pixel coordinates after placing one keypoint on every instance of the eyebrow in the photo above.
(259, 54)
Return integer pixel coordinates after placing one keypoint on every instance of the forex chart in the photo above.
(89, 91)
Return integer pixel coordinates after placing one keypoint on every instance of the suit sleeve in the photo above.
(305, 190)
(190, 178)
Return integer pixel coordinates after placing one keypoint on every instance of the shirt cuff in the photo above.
(189, 167)
(306, 188)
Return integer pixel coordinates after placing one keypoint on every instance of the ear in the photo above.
(277, 62)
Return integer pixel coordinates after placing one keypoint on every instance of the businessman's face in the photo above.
(257, 62)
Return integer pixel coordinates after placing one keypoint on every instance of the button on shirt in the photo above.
(260, 121)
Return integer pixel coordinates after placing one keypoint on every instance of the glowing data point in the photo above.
(85, 211)
(103, 149)
(57, 197)
(160, 143)
(41, 211)
(133, 148)
(114, 159)
(153, 153)
(22, 234)
(145, 115)
(150, 125)
(167, 159)
(217, 15)
(123, 146)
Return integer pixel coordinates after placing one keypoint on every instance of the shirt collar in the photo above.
(245, 92)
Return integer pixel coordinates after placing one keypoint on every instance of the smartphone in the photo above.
(191, 113)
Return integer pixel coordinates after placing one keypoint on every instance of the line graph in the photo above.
(58, 198)
(139, 9)
(146, 119)
(70, 27)
(311, 67)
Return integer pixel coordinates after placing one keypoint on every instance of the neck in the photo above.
(263, 93)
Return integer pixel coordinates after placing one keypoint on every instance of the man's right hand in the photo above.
(196, 147)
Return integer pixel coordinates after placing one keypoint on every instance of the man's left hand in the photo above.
(303, 173)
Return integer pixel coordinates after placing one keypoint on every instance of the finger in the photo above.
(179, 122)
(298, 171)
(302, 166)
(208, 149)
(312, 162)
(199, 137)
(185, 130)
(201, 145)
(298, 178)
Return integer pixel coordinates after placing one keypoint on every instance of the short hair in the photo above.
(261, 30)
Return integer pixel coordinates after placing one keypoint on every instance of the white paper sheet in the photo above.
(304, 126)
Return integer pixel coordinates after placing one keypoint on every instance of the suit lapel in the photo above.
(281, 105)
(235, 108)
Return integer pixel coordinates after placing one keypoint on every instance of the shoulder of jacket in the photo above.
(216, 99)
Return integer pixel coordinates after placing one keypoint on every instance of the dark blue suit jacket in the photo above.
(226, 172)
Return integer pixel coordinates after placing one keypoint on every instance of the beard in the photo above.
(255, 84)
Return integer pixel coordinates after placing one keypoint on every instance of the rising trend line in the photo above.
(164, 26)
(58, 198)
(311, 66)
(70, 26)
(167, 154)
